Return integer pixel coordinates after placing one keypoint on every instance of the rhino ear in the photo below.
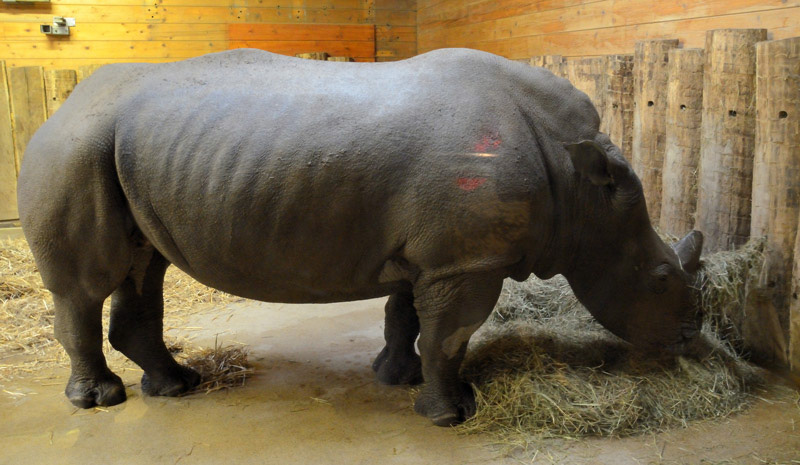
(590, 160)
(688, 250)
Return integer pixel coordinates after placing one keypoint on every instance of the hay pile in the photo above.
(219, 368)
(543, 367)
(27, 342)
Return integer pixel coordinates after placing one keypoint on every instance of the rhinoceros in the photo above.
(429, 180)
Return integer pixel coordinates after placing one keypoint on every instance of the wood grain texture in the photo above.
(682, 131)
(649, 120)
(85, 71)
(556, 64)
(8, 164)
(320, 56)
(587, 75)
(725, 175)
(169, 30)
(573, 28)
(617, 117)
(58, 84)
(357, 41)
(774, 309)
(28, 106)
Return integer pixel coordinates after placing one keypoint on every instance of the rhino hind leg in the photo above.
(450, 311)
(78, 327)
(398, 362)
(136, 326)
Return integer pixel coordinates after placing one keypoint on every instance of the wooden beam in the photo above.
(682, 131)
(649, 123)
(58, 84)
(8, 164)
(586, 74)
(28, 106)
(725, 174)
(617, 118)
(773, 310)
(85, 71)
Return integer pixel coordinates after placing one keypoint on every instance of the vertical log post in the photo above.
(85, 71)
(725, 176)
(8, 164)
(58, 84)
(556, 65)
(28, 107)
(682, 150)
(649, 123)
(536, 61)
(586, 74)
(773, 314)
(617, 91)
(313, 56)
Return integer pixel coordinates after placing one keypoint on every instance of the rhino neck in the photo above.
(557, 253)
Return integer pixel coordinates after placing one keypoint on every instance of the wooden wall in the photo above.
(167, 30)
(524, 28)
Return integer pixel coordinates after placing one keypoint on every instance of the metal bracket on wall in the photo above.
(60, 26)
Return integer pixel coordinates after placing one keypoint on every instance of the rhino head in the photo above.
(634, 284)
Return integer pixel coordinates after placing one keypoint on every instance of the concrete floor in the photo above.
(314, 400)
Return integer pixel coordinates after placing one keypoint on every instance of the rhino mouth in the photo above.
(688, 336)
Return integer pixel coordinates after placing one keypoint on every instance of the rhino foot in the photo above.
(398, 370)
(90, 392)
(446, 410)
(174, 383)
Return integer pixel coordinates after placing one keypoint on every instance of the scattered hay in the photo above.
(543, 367)
(723, 281)
(532, 382)
(219, 368)
(27, 315)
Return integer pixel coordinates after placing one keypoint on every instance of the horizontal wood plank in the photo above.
(118, 31)
(592, 16)
(781, 23)
(285, 4)
(396, 33)
(293, 47)
(318, 32)
(189, 14)
(109, 51)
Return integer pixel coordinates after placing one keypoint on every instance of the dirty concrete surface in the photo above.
(314, 399)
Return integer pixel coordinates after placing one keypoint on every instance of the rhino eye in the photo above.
(659, 276)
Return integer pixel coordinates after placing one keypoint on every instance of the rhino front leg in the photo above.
(450, 311)
(136, 327)
(78, 327)
(398, 362)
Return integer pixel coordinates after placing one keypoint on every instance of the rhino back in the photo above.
(253, 171)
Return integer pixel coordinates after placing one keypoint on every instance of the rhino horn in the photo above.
(688, 250)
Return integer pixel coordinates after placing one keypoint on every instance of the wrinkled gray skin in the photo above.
(285, 180)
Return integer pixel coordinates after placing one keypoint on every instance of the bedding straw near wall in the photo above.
(26, 316)
(543, 368)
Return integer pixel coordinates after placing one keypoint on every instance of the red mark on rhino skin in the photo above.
(491, 141)
(470, 184)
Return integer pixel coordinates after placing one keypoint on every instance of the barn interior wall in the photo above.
(523, 28)
(167, 30)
